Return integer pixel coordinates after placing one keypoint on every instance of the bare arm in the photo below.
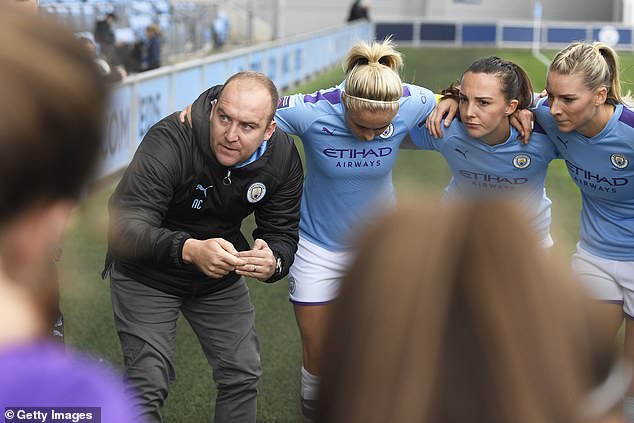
(522, 120)
(446, 108)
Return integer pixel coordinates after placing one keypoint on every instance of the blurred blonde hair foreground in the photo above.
(454, 315)
(52, 114)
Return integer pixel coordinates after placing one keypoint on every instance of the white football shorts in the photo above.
(315, 276)
(606, 280)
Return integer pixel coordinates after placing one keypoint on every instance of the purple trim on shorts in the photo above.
(627, 117)
(619, 302)
(610, 301)
(309, 409)
(304, 303)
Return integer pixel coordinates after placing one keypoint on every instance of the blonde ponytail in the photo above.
(372, 77)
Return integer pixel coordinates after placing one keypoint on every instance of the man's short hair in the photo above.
(261, 79)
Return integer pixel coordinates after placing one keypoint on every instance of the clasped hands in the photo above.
(216, 257)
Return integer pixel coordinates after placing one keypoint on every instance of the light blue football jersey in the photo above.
(348, 181)
(508, 169)
(602, 168)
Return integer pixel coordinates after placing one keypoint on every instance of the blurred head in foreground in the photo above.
(27, 5)
(454, 315)
(51, 114)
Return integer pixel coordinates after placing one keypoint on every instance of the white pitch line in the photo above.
(539, 56)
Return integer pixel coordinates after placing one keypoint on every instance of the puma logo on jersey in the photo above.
(328, 131)
(464, 153)
(564, 142)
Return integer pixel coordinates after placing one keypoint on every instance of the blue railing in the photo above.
(501, 34)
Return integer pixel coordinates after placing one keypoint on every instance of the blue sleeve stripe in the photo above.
(406, 91)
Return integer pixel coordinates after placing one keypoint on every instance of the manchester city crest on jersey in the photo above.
(255, 192)
(521, 161)
(620, 161)
(389, 131)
